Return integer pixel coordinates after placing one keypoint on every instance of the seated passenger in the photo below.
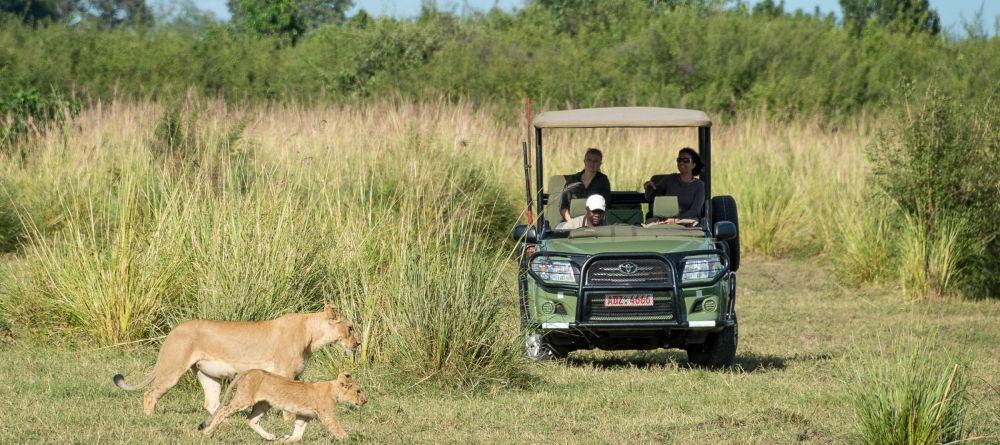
(587, 182)
(690, 191)
(596, 207)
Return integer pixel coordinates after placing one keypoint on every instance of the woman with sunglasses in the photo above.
(689, 190)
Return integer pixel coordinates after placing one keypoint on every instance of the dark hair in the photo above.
(694, 157)
(594, 151)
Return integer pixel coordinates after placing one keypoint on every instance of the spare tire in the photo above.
(724, 209)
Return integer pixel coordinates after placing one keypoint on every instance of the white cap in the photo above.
(596, 202)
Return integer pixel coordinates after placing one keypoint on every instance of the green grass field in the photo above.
(799, 346)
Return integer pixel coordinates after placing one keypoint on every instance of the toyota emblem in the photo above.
(628, 268)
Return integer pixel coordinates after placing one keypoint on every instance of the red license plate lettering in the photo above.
(628, 300)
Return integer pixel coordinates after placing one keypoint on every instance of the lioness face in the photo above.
(350, 391)
(340, 329)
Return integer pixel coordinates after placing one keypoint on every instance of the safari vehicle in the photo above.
(626, 285)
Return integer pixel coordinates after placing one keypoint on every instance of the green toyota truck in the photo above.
(628, 284)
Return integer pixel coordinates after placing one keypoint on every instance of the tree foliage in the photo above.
(268, 18)
(32, 11)
(115, 13)
(316, 13)
(906, 16)
(107, 13)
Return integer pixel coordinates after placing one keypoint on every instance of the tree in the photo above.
(276, 18)
(906, 16)
(316, 13)
(770, 8)
(115, 13)
(31, 11)
(109, 13)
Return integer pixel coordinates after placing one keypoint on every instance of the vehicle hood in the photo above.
(658, 244)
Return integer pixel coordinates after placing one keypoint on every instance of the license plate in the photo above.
(629, 300)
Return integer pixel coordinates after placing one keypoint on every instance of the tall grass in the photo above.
(910, 394)
(399, 212)
(110, 279)
(868, 243)
(406, 232)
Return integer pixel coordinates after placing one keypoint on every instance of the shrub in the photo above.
(940, 167)
(26, 112)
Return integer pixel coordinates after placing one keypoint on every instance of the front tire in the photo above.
(718, 351)
(538, 350)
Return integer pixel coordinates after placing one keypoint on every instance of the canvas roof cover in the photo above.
(622, 117)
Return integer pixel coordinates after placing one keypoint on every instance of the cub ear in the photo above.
(331, 311)
(344, 378)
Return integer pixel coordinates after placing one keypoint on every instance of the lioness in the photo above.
(261, 389)
(219, 349)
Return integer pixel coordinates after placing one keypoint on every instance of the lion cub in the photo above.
(261, 389)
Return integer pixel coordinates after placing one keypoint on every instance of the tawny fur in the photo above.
(261, 389)
(215, 350)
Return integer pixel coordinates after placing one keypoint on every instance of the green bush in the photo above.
(565, 53)
(940, 168)
(27, 112)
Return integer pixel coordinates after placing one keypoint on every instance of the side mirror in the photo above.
(725, 231)
(526, 233)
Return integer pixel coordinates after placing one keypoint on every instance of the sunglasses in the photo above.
(683, 160)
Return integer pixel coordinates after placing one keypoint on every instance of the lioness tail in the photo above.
(120, 382)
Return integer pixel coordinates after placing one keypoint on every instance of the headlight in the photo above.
(554, 271)
(702, 268)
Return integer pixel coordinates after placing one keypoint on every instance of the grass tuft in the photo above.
(910, 394)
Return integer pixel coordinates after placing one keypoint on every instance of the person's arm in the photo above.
(654, 187)
(564, 212)
(699, 201)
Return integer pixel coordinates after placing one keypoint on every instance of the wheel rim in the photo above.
(533, 345)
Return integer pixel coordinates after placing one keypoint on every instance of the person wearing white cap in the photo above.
(596, 206)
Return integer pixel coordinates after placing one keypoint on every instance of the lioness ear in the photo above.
(331, 311)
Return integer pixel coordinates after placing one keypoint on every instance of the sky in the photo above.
(952, 12)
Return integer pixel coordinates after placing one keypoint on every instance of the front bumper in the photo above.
(659, 275)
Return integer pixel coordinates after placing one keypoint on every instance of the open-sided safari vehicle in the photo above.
(623, 285)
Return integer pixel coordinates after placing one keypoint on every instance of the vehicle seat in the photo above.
(577, 207)
(624, 216)
(554, 189)
(665, 206)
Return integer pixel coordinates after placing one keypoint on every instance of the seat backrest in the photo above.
(551, 212)
(666, 206)
(577, 207)
(631, 215)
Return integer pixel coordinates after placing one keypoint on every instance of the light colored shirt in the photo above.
(574, 223)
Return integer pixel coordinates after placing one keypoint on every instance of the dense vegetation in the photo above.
(698, 54)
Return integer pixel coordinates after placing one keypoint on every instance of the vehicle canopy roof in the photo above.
(616, 117)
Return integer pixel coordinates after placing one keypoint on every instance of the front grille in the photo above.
(627, 271)
(662, 309)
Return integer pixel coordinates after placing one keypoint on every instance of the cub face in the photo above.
(339, 329)
(350, 391)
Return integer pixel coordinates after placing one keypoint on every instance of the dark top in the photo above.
(600, 185)
(690, 195)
